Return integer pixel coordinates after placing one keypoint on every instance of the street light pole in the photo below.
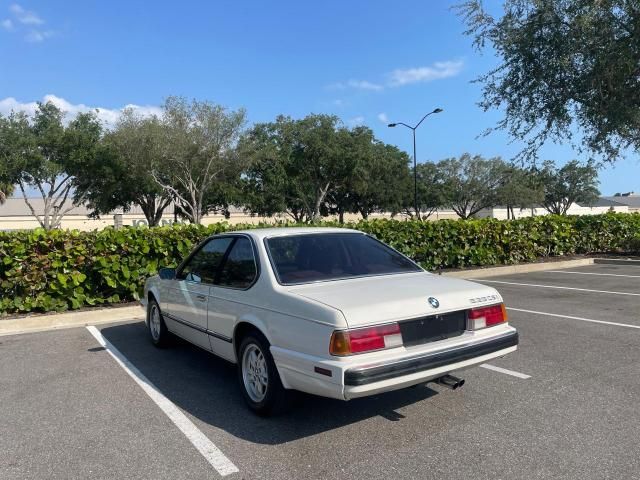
(415, 161)
(415, 176)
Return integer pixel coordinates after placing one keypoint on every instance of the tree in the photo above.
(268, 188)
(518, 188)
(354, 149)
(572, 183)
(380, 180)
(317, 161)
(14, 134)
(316, 166)
(431, 191)
(44, 152)
(120, 176)
(199, 156)
(294, 165)
(565, 63)
(370, 175)
(470, 184)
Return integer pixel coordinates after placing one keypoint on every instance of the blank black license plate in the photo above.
(432, 328)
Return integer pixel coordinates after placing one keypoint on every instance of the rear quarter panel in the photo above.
(289, 322)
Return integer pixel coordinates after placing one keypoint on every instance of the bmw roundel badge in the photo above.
(433, 302)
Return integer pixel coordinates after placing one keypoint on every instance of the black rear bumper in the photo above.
(366, 375)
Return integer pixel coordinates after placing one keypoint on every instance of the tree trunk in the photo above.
(197, 216)
(153, 208)
(156, 217)
(147, 211)
(320, 196)
(196, 208)
(297, 215)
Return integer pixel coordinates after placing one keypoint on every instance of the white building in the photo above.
(630, 199)
(601, 205)
(15, 215)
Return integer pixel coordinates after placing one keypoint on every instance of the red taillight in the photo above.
(347, 342)
(487, 316)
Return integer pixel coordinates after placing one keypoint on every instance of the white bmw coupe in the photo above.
(327, 311)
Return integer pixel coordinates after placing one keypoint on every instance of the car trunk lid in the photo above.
(387, 298)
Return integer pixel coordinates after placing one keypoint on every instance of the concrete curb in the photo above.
(523, 268)
(618, 261)
(39, 323)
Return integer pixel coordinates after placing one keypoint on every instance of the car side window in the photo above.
(239, 269)
(203, 265)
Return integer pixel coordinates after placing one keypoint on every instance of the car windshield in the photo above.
(332, 256)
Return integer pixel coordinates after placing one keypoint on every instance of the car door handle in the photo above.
(202, 298)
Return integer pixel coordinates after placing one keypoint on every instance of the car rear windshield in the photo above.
(331, 256)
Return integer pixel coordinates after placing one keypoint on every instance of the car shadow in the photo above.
(206, 387)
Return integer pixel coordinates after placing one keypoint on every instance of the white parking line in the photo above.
(482, 280)
(574, 318)
(209, 451)
(504, 370)
(591, 273)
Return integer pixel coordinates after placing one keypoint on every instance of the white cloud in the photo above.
(26, 17)
(28, 23)
(336, 86)
(355, 121)
(364, 85)
(357, 84)
(436, 71)
(108, 116)
(37, 36)
(401, 77)
(383, 118)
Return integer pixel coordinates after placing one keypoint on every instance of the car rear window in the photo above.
(332, 256)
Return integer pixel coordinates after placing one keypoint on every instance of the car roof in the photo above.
(261, 233)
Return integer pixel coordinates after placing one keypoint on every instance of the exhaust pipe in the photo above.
(450, 381)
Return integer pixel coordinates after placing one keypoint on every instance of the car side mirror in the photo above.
(167, 273)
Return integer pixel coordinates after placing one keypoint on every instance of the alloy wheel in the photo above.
(255, 375)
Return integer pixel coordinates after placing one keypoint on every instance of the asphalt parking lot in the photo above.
(564, 406)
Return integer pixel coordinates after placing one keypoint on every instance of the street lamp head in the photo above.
(392, 125)
(437, 110)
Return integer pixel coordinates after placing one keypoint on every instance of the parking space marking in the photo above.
(513, 373)
(591, 273)
(209, 451)
(482, 280)
(574, 318)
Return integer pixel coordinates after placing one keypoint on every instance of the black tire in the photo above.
(158, 332)
(276, 399)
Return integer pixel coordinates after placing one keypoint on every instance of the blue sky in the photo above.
(365, 61)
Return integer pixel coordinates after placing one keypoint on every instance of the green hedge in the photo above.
(60, 270)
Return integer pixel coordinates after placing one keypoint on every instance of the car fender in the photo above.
(260, 325)
(256, 322)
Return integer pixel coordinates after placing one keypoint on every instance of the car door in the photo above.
(231, 294)
(189, 294)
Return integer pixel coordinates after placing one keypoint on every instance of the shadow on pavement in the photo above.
(206, 387)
